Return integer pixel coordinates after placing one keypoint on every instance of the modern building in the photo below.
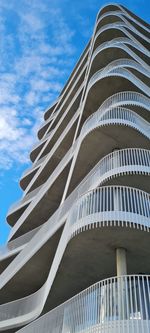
(78, 255)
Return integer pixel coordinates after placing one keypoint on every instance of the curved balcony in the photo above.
(139, 20)
(120, 66)
(122, 47)
(60, 126)
(116, 304)
(133, 99)
(119, 303)
(120, 117)
(124, 98)
(106, 127)
(125, 78)
(125, 162)
(115, 207)
(117, 115)
(67, 102)
(119, 19)
(45, 125)
(130, 161)
(113, 7)
(105, 81)
(17, 209)
(37, 147)
(50, 111)
(16, 245)
(111, 17)
(120, 29)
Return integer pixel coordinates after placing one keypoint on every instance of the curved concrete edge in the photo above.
(123, 73)
(115, 26)
(42, 166)
(68, 314)
(120, 72)
(125, 12)
(113, 169)
(105, 106)
(52, 134)
(81, 218)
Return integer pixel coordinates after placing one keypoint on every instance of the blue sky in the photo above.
(40, 42)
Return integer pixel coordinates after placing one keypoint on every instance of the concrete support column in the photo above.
(121, 261)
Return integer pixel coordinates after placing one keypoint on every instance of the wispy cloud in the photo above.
(32, 72)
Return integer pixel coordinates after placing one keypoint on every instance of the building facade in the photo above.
(78, 255)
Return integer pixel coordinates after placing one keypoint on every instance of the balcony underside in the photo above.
(109, 55)
(91, 251)
(34, 274)
(99, 143)
(119, 30)
(53, 162)
(107, 86)
(45, 207)
(118, 304)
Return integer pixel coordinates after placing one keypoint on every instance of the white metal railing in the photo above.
(126, 98)
(53, 150)
(114, 116)
(122, 72)
(120, 162)
(122, 43)
(123, 26)
(119, 99)
(118, 304)
(112, 103)
(122, 98)
(124, 161)
(114, 205)
(117, 42)
(124, 62)
(110, 206)
(122, 11)
(123, 21)
(118, 24)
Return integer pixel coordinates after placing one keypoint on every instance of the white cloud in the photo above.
(43, 85)
(32, 22)
(31, 98)
(33, 68)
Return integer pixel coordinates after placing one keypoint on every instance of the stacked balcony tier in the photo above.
(78, 252)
